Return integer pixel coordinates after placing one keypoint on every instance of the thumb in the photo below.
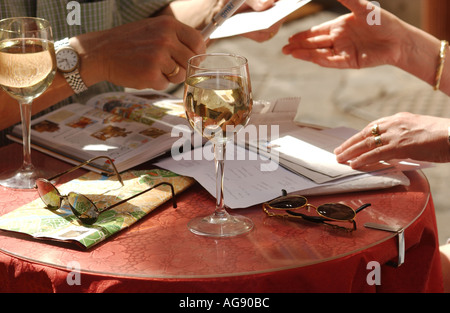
(260, 5)
(358, 7)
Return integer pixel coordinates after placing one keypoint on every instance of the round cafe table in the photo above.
(159, 253)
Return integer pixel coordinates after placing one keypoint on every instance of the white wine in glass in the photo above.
(218, 103)
(27, 68)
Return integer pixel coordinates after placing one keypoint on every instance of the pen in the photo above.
(220, 17)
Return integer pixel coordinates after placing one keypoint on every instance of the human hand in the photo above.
(403, 135)
(349, 41)
(265, 34)
(143, 54)
(199, 13)
(257, 5)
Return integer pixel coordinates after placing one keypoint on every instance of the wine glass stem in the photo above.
(25, 114)
(219, 159)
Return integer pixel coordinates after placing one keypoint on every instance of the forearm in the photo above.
(10, 110)
(420, 57)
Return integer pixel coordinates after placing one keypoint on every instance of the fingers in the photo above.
(192, 39)
(365, 147)
(318, 45)
(353, 147)
(369, 158)
(314, 45)
(307, 37)
(157, 53)
(402, 135)
(260, 5)
(266, 34)
(174, 72)
(190, 43)
(359, 7)
(296, 42)
(363, 151)
(326, 57)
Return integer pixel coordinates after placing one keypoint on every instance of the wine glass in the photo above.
(218, 102)
(27, 68)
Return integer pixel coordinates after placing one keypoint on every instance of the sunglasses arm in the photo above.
(174, 203)
(87, 162)
(294, 215)
(362, 207)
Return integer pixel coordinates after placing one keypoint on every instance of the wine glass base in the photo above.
(226, 226)
(21, 179)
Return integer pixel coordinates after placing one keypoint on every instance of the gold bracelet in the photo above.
(440, 68)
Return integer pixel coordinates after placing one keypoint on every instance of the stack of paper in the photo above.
(307, 152)
(300, 160)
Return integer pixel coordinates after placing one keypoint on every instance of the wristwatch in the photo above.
(68, 63)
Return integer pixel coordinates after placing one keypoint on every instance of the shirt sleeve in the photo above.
(89, 16)
(133, 10)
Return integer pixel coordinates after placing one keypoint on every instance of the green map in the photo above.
(39, 222)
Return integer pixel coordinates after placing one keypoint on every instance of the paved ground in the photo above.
(333, 97)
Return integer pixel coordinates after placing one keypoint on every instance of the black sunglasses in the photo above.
(82, 207)
(327, 213)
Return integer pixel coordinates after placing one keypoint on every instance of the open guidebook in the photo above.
(129, 129)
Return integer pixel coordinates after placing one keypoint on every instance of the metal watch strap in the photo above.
(75, 81)
(73, 78)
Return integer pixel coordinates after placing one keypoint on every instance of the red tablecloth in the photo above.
(159, 254)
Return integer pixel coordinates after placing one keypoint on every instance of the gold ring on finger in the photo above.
(174, 72)
(375, 130)
(378, 141)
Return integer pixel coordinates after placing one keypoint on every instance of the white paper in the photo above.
(246, 22)
(251, 179)
(245, 184)
(308, 152)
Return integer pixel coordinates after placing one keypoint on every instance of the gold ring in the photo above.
(174, 72)
(375, 130)
(378, 141)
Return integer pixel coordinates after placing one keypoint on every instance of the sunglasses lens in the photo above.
(336, 211)
(49, 195)
(83, 208)
(288, 202)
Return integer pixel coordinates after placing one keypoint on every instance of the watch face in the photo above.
(66, 60)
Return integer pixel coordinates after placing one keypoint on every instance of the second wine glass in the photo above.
(27, 68)
(218, 102)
